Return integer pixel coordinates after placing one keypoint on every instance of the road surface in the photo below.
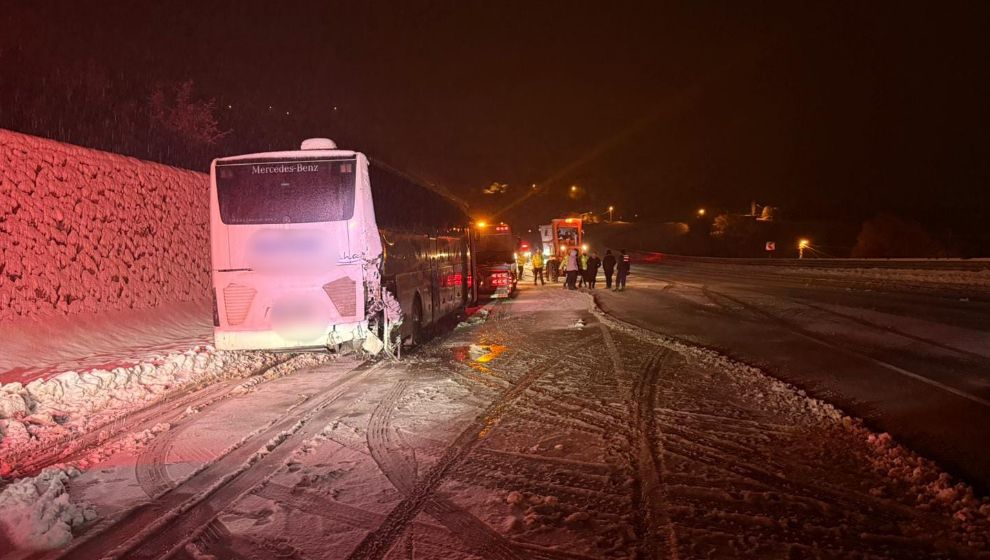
(546, 430)
(912, 359)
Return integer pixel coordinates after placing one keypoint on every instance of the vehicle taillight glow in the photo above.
(500, 279)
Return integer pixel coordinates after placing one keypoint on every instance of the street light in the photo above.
(701, 212)
(802, 245)
(573, 188)
(610, 209)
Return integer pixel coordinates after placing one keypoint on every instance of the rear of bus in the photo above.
(293, 237)
(495, 255)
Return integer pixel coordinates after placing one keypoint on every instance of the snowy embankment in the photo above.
(85, 230)
(37, 511)
(72, 403)
(84, 233)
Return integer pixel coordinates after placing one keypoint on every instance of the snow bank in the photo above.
(84, 230)
(46, 412)
(36, 514)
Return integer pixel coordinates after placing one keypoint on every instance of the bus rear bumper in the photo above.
(273, 340)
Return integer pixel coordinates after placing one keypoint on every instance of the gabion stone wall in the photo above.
(84, 230)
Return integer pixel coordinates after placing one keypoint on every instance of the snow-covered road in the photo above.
(909, 351)
(549, 430)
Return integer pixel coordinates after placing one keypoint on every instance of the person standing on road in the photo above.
(571, 269)
(592, 274)
(520, 264)
(623, 271)
(608, 263)
(537, 262)
(583, 272)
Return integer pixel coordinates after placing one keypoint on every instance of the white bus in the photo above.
(317, 247)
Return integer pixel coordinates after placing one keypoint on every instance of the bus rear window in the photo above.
(495, 248)
(286, 192)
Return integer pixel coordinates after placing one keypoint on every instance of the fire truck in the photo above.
(566, 234)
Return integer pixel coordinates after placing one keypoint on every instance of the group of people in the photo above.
(579, 270)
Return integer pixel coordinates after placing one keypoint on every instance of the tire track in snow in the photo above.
(377, 543)
(844, 349)
(161, 527)
(654, 529)
(658, 538)
(755, 487)
(170, 408)
(150, 469)
(894, 330)
(398, 464)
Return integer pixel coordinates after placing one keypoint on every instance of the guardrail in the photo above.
(648, 257)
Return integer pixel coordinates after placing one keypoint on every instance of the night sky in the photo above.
(830, 110)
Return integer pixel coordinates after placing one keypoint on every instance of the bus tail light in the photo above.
(237, 302)
(342, 292)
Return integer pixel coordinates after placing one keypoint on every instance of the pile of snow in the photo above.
(93, 231)
(54, 410)
(37, 513)
(475, 319)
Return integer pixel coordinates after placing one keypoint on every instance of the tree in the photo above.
(890, 236)
(739, 235)
(186, 126)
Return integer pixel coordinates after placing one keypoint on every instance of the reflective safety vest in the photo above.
(537, 260)
(584, 262)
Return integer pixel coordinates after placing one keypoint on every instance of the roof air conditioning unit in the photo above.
(318, 144)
